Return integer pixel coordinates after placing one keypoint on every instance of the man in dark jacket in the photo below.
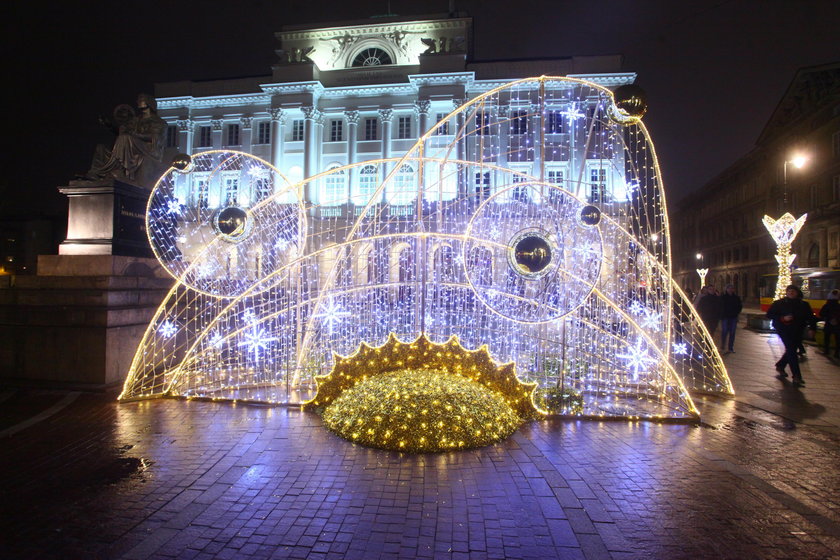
(730, 308)
(790, 315)
(830, 313)
(708, 307)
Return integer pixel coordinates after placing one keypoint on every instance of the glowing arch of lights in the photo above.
(430, 253)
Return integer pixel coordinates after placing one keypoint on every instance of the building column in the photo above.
(245, 140)
(185, 135)
(278, 119)
(352, 118)
(311, 117)
(216, 133)
(421, 109)
(385, 117)
(461, 149)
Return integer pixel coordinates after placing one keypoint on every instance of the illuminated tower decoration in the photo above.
(702, 272)
(783, 231)
(530, 221)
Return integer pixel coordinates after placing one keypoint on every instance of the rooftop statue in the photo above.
(138, 149)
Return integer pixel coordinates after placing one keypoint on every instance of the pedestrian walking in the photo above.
(709, 309)
(790, 316)
(730, 308)
(830, 313)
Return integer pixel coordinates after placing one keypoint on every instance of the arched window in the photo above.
(402, 188)
(372, 57)
(814, 255)
(368, 181)
(335, 187)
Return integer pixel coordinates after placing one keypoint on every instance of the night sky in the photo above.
(714, 70)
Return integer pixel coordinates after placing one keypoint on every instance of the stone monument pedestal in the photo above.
(106, 217)
(80, 320)
(77, 323)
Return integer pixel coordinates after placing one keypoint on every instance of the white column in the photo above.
(421, 109)
(185, 135)
(245, 140)
(461, 149)
(385, 117)
(278, 119)
(352, 118)
(216, 133)
(311, 117)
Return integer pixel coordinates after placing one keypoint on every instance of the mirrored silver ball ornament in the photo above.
(630, 104)
(232, 223)
(183, 163)
(531, 253)
(590, 215)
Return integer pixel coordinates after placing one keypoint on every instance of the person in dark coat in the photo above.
(730, 308)
(709, 309)
(830, 313)
(790, 316)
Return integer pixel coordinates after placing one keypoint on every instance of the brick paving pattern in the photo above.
(759, 478)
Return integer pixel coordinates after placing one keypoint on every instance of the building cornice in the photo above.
(374, 29)
(314, 88)
(420, 80)
(191, 102)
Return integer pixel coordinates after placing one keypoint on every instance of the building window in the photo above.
(597, 185)
(598, 124)
(336, 130)
(264, 133)
(482, 185)
(232, 135)
(205, 137)
(372, 57)
(368, 181)
(554, 122)
(555, 176)
(482, 123)
(335, 187)
(404, 187)
(171, 136)
(519, 122)
(404, 127)
(520, 193)
(297, 130)
(202, 191)
(262, 188)
(231, 184)
(443, 130)
(371, 128)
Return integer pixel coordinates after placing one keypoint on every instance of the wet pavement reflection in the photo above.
(759, 478)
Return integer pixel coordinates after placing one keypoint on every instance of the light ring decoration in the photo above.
(333, 262)
(565, 279)
(193, 237)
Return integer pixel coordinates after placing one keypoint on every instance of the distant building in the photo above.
(352, 92)
(721, 221)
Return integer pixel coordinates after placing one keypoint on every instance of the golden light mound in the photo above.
(422, 397)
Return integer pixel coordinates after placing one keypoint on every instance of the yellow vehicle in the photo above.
(815, 283)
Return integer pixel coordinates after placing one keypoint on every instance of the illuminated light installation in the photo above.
(783, 231)
(702, 272)
(541, 233)
(422, 397)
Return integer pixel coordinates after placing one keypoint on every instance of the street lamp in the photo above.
(783, 231)
(702, 272)
(798, 161)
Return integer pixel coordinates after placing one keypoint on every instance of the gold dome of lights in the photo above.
(422, 397)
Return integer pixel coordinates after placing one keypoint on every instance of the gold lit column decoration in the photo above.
(783, 231)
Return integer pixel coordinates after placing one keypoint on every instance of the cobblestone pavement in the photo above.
(85, 477)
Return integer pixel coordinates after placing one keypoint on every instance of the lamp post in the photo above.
(783, 231)
(702, 272)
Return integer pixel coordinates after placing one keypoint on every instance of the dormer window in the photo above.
(372, 57)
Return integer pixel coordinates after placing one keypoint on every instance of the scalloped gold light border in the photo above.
(450, 357)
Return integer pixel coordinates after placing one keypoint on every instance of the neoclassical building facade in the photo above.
(362, 91)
